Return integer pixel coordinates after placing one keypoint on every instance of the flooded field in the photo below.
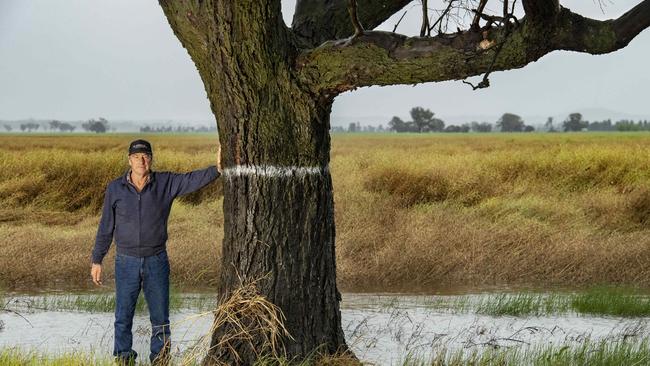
(381, 329)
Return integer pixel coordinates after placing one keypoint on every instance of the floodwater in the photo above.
(381, 329)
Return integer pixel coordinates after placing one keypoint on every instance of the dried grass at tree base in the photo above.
(245, 318)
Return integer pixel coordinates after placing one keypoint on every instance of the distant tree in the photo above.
(369, 128)
(55, 125)
(574, 123)
(8, 128)
(396, 124)
(424, 122)
(528, 128)
(481, 127)
(421, 117)
(510, 123)
(97, 126)
(65, 127)
(626, 125)
(454, 128)
(605, 125)
(549, 125)
(352, 127)
(29, 126)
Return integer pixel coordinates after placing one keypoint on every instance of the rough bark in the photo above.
(272, 100)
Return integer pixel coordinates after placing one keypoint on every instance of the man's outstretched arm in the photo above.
(189, 182)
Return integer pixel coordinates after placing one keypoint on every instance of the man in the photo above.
(136, 209)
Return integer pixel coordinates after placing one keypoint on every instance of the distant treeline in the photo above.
(177, 129)
(423, 120)
(92, 125)
(101, 125)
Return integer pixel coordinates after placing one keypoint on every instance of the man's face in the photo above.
(140, 163)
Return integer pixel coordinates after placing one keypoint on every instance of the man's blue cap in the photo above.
(140, 146)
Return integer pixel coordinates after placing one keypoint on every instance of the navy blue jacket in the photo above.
(138, 220)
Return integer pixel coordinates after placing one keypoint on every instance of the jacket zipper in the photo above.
(139, 225)
(140, 214)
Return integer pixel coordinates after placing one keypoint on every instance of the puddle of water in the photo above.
(380, 329)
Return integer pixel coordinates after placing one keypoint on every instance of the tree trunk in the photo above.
(278, 203)
(279, 229)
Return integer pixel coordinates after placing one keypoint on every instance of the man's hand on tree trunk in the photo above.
(219, 159)
(96, 273)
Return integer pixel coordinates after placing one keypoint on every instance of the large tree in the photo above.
(271, 89)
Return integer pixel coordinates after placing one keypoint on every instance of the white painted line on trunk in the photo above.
(273, 171)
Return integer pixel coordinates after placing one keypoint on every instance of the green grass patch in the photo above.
(16, 357)
(523, 304)
(597, 301)
(625, 302)
(588, 353)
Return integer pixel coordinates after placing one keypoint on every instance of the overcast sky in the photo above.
(81, 59)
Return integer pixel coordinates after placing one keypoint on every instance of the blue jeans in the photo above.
(152, 275)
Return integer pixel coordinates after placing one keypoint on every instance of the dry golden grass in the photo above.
(412, 212)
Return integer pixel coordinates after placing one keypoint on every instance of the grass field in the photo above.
(413, 212)
(588, 353)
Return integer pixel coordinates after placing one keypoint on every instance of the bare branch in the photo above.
(425, 20)
(352, 10)
(442, 16)
(399, 21)
(477, 16)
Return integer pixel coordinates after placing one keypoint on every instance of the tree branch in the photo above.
(425, 19)
(628, 25)
(477, 16)
(384, 58)
(354, 18)
(316, 21)
(540, 10)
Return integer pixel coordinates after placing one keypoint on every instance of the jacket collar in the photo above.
(126, 177)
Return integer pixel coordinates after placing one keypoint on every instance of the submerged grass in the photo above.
(587, 353)
(596, 301)
(523, 304)
(105, 302)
